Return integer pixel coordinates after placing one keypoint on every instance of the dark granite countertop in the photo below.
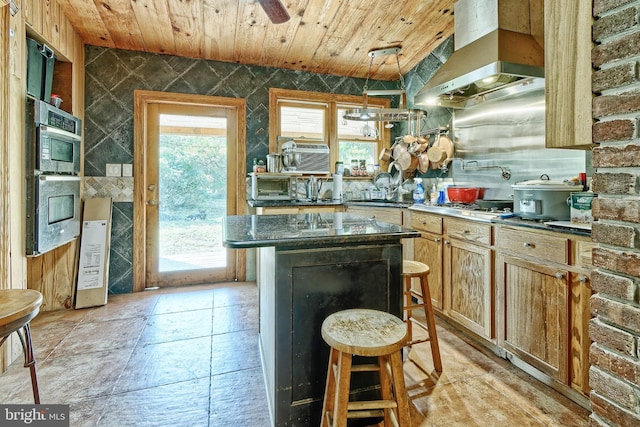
(286, 203)
(539, 225)
(252, 231)
(326, 202)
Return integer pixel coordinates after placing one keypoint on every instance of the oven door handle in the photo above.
(60, 132)
(59, 178)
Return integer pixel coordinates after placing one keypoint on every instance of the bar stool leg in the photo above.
(330, 389)
(343, 384)
(408, 303)
(385, 385)
(431, 322)
(404, 418)
(29, 360)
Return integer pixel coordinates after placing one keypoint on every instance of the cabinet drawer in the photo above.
(470, 231)
(542, 246)
(426, 222)
(389, 215)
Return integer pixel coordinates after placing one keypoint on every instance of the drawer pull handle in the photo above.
(423, 222)
(559, 275)
(446, 242)
(437, 240)
(582, 278)
(466, 232)
(528, 245)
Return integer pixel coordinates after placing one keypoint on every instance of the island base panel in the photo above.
(308, 286)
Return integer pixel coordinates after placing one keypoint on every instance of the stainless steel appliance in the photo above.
(53, 211)
(54, 139)
(53, 143)
(489, 61)
(313, 185)
(272, 186)
(543, 199)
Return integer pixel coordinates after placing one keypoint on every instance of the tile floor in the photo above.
(189, 357)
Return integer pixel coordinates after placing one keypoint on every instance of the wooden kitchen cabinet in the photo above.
(567, 50)
(543, 296)
(535, 314)
(468, 275)
(390, 215)
(428, 249)
(460, 257)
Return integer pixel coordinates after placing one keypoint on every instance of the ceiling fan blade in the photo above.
(275, 10)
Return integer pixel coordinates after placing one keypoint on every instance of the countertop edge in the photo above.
(322, 241)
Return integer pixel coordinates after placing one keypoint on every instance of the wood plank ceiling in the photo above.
(322, 36)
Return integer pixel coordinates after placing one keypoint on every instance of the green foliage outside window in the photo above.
(193, 172)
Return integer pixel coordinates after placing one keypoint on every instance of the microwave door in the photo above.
(57, 151)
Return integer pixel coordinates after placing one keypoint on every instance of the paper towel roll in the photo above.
(337, 187)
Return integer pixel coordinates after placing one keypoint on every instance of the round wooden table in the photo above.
(17, 308)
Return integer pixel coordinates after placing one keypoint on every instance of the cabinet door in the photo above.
(568, 72)
(579, 335)
(428, 249)
(469, 295)
(535, 307)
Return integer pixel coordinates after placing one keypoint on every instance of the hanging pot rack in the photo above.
(366, 114)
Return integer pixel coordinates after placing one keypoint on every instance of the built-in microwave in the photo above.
(53, 211)
(53, 139)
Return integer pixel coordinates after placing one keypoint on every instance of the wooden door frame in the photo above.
(142, 99)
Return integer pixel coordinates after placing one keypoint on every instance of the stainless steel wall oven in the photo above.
(53, 144)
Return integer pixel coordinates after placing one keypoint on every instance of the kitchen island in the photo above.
(309, 266)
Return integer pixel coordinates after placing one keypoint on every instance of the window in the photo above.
(314, 117)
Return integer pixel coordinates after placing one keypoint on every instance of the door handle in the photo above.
(151, 187)
(153, 202)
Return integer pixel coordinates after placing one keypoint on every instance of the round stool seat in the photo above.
(17, 307)
(364, 332)
(414, 268)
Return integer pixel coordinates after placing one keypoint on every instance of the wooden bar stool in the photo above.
(410, 270)
(364, 332)
(17, 308)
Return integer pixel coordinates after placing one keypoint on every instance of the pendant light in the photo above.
(366, 114)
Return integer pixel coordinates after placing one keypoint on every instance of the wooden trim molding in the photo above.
(142, 99)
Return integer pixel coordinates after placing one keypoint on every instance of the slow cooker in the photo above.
(543, 199)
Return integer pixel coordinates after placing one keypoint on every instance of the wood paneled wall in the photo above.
(53, 273)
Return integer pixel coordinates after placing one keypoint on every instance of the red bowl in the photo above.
(466, 195)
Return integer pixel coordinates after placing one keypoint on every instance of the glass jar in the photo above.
(355, 170)
(339, 168)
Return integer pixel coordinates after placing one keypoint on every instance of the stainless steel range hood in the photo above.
(495, 55)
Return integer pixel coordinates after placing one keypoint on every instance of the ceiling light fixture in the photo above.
(399, 114)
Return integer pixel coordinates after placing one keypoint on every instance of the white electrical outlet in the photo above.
(127, 169)
(114, 169)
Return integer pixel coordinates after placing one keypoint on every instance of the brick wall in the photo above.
(615, 328)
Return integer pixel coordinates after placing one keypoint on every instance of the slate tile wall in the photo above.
(112, 75)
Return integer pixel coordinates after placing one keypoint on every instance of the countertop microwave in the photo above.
(272, 186)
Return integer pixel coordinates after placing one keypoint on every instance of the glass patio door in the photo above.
(186, 195)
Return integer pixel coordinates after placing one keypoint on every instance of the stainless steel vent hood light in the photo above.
(490, 59)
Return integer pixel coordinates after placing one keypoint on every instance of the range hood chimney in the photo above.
(497, 53)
